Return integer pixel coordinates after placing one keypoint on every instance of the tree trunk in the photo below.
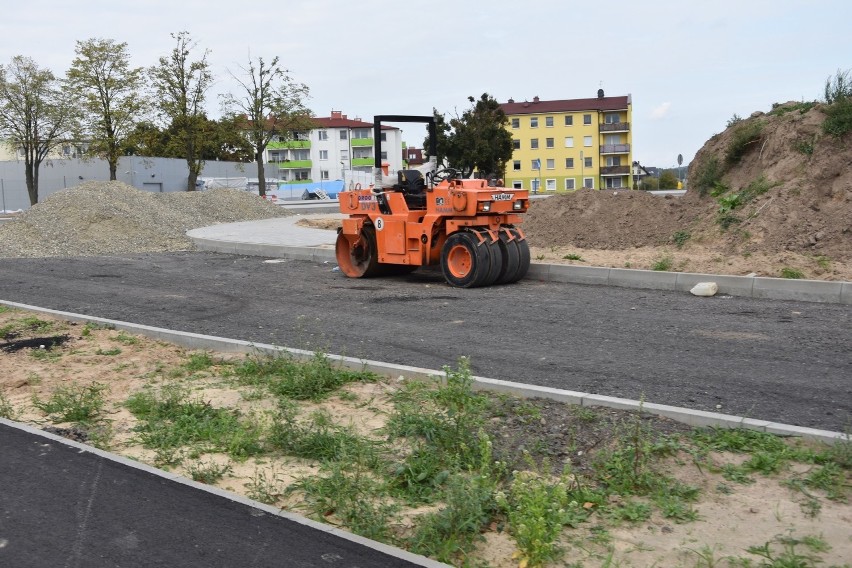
(113, 167)
(261, 175)
(192, 170)
(31, 174)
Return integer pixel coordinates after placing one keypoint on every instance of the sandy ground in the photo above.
(729, 521)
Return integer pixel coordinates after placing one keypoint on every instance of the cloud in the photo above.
(661, 111)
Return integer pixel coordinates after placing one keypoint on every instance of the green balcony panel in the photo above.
(363, 162)
(289, 144)
(361, 142)
(295, 165)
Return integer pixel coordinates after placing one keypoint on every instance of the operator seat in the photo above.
(412, 184)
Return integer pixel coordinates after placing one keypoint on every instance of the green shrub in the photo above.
(745, 136)
(75, 403)
(680, 238)
(805, 147)
(663, 264)
(838, 120)
(791, 273)
(707, 175)
(839, 87)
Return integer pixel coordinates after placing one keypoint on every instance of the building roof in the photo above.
(339, 120)
(537, 106)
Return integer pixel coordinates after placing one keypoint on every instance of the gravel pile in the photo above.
(113, 218)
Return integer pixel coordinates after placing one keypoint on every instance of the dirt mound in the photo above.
(772, 184)
(111, 218)
(610, 219)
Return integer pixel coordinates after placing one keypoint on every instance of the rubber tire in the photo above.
(364, 265)
(479, 259)
(511, 255)
(496, 262)
(524, 250)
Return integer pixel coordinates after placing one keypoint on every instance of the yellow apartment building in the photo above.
(570, 144)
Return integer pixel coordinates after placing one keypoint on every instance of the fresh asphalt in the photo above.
(67, 505)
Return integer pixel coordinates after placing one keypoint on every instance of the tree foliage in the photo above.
(221, 141)
(35, 114)
(476, 140)
(668, 180)
(107, 90)
(180, 87)
(271, 105)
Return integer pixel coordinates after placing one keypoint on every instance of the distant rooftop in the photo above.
(537, 105)
(340, 120)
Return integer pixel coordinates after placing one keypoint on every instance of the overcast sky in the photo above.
(689, 66)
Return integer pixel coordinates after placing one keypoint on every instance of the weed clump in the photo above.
(745, 136)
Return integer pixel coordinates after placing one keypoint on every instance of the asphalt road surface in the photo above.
(60, 506)
(790, 362)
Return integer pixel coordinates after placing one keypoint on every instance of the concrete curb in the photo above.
(697, 418)
(126, 462)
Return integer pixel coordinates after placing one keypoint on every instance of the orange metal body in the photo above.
(414, 236)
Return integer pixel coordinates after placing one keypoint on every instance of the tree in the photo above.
(35, 114)
(272, 106)
(478, 140)
(107, 89)
(668, 180)
(180, 88)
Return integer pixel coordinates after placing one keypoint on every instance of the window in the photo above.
(533, 122)
(301, 175)
(587, 141)
(301, 154)
(613, 160)
(517, 185)
(569, 163)
(536, 164)
(344, 135)
(613, 183)
(587, 119)
(551, 164)
(516, 144)
(360, 133)
(516, 123)
(384, 136)
(323, 174)
(587, 162)
(384, 155)
(569, 120)
(589, 183)
(534, 143)
(322, 134)
(323, 154)
(548, 121)
(612, 139)
(569, 183)
(516, 165)
(548, 142)
(569, 141)
(550, 184)
(612, 119)
(344, 154)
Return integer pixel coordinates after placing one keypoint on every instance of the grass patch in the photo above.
(791, 273)
(663, 264)
(172, 418)
(76, 403)
(7, 410)
(572, 256)
(285, 377)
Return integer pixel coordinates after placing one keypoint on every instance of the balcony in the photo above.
(363, 162)
(356, 142)
(289, 145)
(615, 148)
(615, 170)
(615, 127)
(293, 164)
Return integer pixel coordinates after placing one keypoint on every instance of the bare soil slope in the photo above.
(791, 190)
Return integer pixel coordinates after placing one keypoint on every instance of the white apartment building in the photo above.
(338, 148)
